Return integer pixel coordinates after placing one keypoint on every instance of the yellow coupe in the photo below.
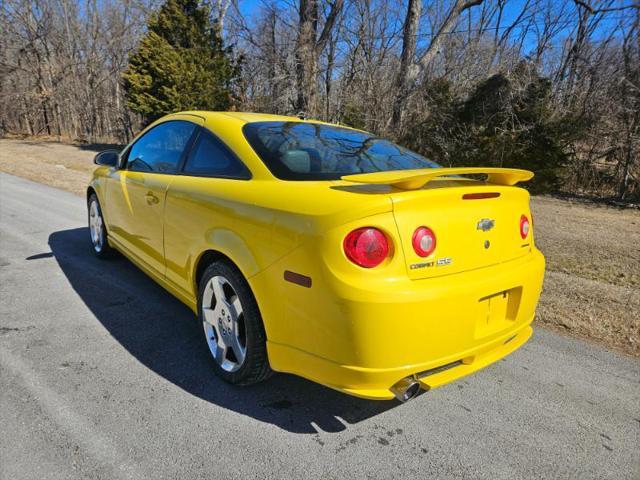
(323, 251)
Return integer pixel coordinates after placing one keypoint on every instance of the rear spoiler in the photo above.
(415, 179)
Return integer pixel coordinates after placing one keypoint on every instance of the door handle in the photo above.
(151, 198)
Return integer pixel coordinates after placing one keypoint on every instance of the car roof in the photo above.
(243, 117)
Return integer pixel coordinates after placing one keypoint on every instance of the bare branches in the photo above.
(410, 69)
(336, 8)
(67, 63)
(594, 11)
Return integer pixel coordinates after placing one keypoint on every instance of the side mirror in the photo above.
(107, 158)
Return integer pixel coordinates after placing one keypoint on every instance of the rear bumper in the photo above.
(363, 341)
(375, 383)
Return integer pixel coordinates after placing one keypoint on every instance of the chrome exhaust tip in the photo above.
(406, 389)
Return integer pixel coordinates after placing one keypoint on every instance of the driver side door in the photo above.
(137, 195)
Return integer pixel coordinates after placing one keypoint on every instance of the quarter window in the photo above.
(211, 157)
(161, 148)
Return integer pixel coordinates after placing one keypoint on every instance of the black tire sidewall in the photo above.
(255, 367)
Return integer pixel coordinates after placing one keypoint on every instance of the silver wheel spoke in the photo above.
(221, 354)
(210, 316)
(218, 291)
(220, 343)
(237, 308)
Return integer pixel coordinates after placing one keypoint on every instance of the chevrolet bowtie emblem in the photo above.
(486, 224)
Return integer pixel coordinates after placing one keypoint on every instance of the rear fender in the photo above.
(227, 244)
(312, 318)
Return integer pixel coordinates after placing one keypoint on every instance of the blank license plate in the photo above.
(493, 314)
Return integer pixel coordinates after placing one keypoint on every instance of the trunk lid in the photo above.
(470, 233)
(472, 230)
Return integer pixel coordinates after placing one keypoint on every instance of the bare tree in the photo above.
(309, 46)
(63, 65)
(410, 69)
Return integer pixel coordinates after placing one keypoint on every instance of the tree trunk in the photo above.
(409, 40)
(307, 51)
(306, 61)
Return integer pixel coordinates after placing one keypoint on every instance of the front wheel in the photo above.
(97, 229)
(232, 325)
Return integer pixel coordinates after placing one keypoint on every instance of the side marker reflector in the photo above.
(297, 278)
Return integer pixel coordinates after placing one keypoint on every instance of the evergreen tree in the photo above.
(180, 64)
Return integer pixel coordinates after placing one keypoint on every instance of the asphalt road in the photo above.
(104, 375)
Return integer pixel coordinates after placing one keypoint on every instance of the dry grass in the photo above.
(592, 285)
(62, 166)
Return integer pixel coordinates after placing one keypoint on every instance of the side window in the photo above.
(210, 157)
(160, 149)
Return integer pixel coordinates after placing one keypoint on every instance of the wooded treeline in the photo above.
(549, 85)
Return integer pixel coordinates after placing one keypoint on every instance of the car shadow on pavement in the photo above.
(164, 335)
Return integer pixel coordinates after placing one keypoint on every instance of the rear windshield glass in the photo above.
(309, 151)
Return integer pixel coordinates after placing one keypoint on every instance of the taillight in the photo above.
(424, 241)
(524, 226)
(367, 247)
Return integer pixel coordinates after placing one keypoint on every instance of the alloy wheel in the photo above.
(95, 226)
(223, 323)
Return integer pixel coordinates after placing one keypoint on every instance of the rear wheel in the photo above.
(97, 229)
(232, 325)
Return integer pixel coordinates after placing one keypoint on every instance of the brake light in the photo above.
(366, 247)
(479, 196)
(424, 241)
(524, 226)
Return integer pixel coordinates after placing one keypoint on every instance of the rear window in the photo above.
(309, 151)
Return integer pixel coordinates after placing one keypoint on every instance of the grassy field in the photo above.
(592, 285)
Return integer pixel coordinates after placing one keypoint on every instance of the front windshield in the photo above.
(311, 151)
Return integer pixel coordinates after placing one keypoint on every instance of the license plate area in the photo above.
(498, 311)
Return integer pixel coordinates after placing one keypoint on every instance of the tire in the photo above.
(97, 229)
(232, 324)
